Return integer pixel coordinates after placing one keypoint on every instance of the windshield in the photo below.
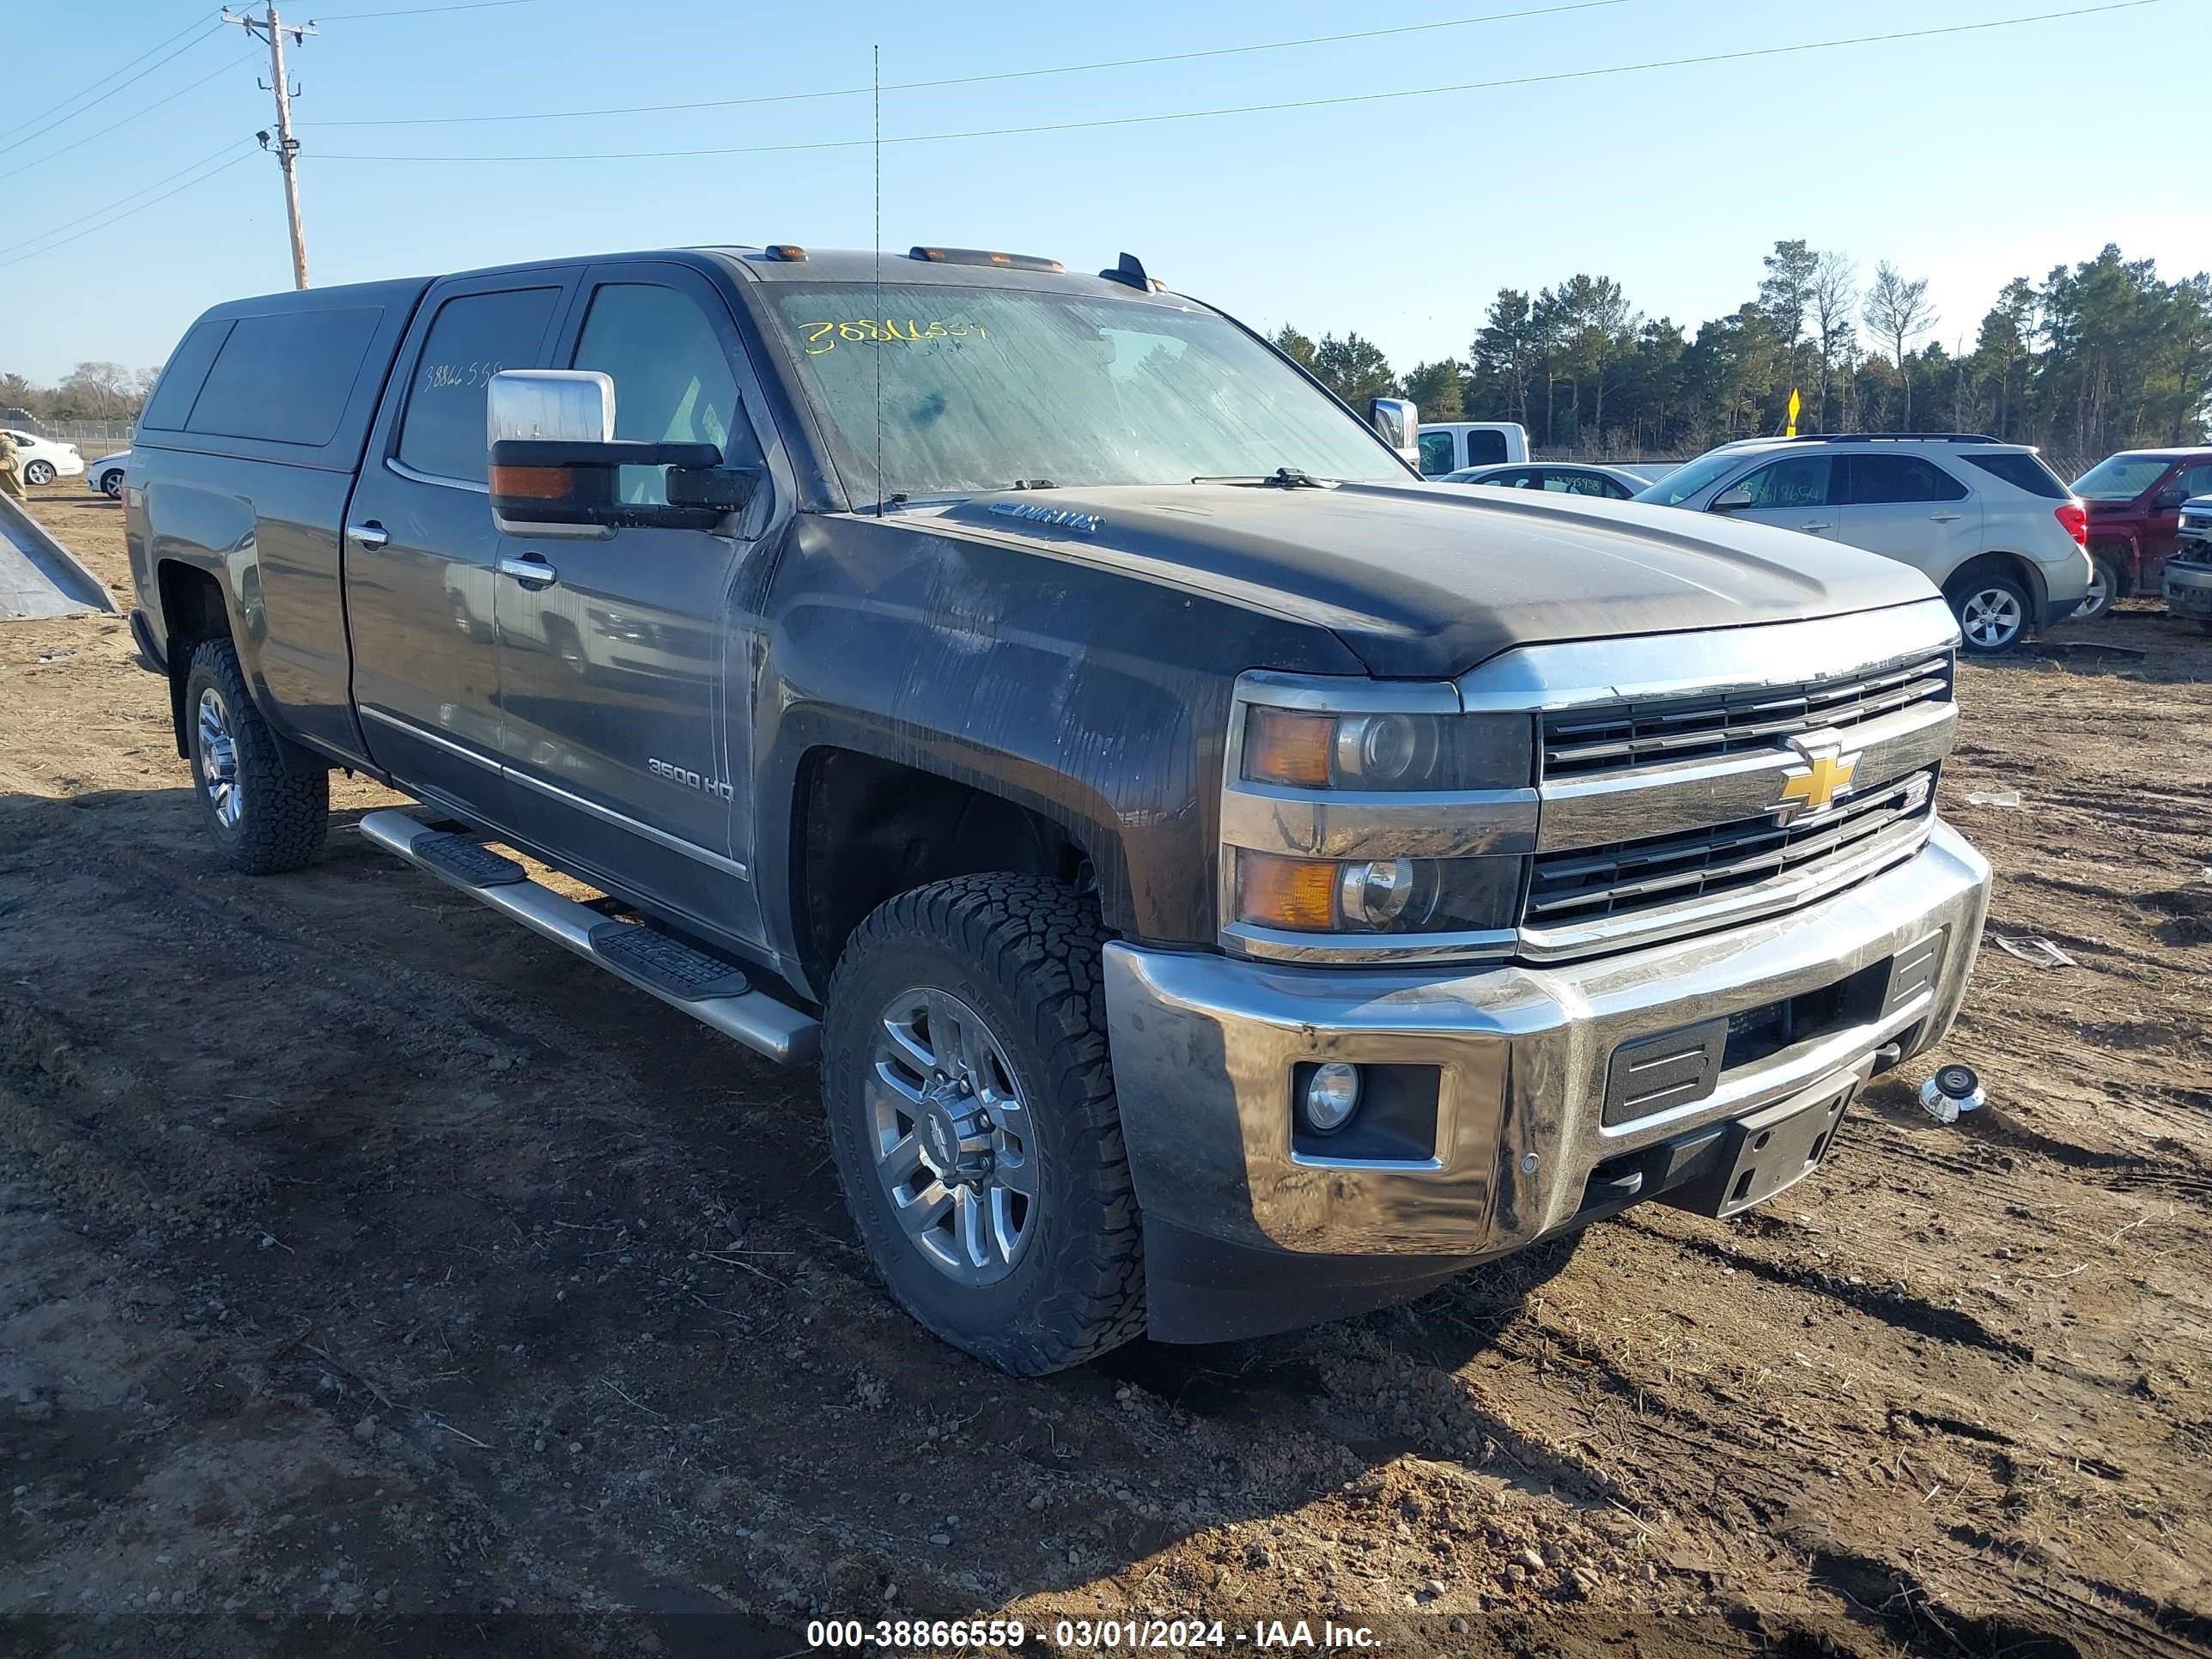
(2120, 477)
(986, 387)
(1686, 480)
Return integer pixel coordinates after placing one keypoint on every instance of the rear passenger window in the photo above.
(171, 406)
(285, 377)
(1484, 448)
(473, 337)
(1880, 478)
(2023, 471)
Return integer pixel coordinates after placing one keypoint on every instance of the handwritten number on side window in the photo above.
(440, 377)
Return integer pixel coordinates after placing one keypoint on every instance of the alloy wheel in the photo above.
(1992, 618)
(219, 760)
(951, 1137)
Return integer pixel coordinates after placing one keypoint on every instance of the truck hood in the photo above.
(1425, 582)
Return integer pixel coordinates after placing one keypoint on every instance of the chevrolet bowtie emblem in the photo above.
(1826, 775)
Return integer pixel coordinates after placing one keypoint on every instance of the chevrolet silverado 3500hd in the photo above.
(1229, 882)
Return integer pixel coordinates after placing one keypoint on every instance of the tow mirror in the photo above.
(1734, 499)
(1397, 422)
(556, 466)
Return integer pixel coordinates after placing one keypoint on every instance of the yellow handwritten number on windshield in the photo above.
(822, 337)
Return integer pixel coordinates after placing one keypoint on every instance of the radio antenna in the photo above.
(876, 61)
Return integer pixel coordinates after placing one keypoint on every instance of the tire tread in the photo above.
(288, 812)
(1038, 941)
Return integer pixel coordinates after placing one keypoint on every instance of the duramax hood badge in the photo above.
(1827, 775)
(1059, 516)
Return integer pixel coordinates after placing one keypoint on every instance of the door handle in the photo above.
(1817, 524)
(1944, 518)
(368, 537)
(535, 572)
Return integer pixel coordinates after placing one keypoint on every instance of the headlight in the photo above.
(1307, 749)
(1389, 896)
(1363, 821)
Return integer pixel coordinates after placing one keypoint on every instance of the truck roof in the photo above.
(962, 268)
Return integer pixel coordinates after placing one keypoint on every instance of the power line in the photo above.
(975, 80)
(28, 120)
(190, 86)
(214, 29)
(188, 185)
(1290, 103)
(420, 11)
(71, 224)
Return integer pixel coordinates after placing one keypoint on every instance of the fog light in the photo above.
(1331, 1096)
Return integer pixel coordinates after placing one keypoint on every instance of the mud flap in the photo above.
(1772, 1149)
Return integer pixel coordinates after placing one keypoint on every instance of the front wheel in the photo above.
(39, 472)
(265, 819)
(2105, 586)
(1992, 613)
(972, 1114)
(110, 483)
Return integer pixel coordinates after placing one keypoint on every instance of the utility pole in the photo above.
(271, 28)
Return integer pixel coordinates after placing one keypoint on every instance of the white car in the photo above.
(1993, 527)
(1560, 477)
(106, 475)
(43, 459)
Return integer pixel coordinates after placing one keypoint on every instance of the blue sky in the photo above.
(1967, 159)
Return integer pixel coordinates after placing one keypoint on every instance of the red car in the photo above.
(2135, 501)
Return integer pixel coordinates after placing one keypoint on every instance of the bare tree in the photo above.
(1899, 312)
(1834, 296)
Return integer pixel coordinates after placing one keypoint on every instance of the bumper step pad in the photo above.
(712, 991)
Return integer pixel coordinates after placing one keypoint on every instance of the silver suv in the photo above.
(1994, 529)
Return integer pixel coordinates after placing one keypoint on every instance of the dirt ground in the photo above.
(378, 1278)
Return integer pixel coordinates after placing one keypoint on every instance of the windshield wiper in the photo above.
(1033, 484)
(1283, 478)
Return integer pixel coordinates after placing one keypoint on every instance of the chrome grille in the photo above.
(1589, 883)
(1622, 736)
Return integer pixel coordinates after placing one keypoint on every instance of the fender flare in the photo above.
(1079, 811)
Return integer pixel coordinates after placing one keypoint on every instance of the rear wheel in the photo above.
(1993, 611)
(264, 819)
(39, 472)
(972, 1116)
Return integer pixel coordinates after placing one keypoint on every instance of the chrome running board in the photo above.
(669, 970)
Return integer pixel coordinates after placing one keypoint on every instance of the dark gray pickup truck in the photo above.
(1231, 883)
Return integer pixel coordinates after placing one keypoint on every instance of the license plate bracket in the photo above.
(1772, 1149)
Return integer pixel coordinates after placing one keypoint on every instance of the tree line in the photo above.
(90, 391)
(2099, 356)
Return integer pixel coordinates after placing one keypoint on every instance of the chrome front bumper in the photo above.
(2189, 587)
(1204, 1048)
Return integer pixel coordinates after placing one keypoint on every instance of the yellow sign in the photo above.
(1825, 777)
(1796, 402)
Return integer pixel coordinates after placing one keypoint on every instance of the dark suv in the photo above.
(2135, 501)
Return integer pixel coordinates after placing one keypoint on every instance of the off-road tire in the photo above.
(1024, 953)
(286, 814)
